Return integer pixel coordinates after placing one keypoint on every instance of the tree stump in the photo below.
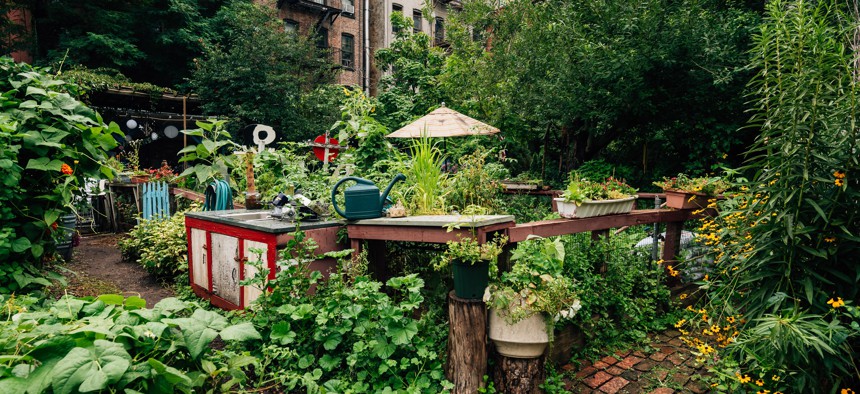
(519, 375)
(467, 344)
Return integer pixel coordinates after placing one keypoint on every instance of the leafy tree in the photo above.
(581, 79)
(148, 40)
(412, 87)
(255, 72)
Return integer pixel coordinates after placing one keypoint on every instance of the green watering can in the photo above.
(362, 200)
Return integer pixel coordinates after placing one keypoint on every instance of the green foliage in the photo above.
(790, 243)
(49, 142)
(213, 156)
(159, 245)
(535, 284)
(476, 182)
(148, 40)
(580, 189)
(358, 125)
(629, 82)
(254, 73)
(710, 186)
(112, 343)
(347, 334)
(426, 193)
(623, 303)
(467, 250)
(412, 87)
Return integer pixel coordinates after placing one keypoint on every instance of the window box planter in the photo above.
(591, 208)
(680, 199)
(139, 178)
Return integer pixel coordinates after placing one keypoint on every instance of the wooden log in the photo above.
(467, 344)
(519, 375)
(671, 246)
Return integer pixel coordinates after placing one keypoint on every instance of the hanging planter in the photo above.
(591, 208)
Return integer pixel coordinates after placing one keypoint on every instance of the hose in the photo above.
(219, 197)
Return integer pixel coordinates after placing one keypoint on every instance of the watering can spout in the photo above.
(398, 177)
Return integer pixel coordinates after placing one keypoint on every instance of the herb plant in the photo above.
(710, 186)
(580, 190)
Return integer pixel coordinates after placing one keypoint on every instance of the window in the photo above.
(291, 26)
(396, 8)
(322, 38)
(440, 31)
(349, 7)
(347, 51)
(416, 20)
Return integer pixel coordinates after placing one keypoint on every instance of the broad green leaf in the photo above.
(282, 333)
(20, 244)
(240, 332)
(173, 375)
(111, 299)
(90, 369)
(171, 304)
(135, 302)
(44, 164)
(328, 363)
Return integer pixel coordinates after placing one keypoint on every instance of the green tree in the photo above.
(255, 72)
(581, 79)
(148, 40)
(412, 87)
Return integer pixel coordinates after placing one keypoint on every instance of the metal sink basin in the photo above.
(248, 216)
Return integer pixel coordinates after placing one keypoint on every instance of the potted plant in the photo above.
(133, 157)
(584, 198)
(685, 192)
(470, 263)
(526, 300)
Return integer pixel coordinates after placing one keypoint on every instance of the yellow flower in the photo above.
(775, 378)
(759, 382)
(846, 391)
(763, 392)
(682, 296)
(743, 379)
(830, 240)
(346, 91)
(76, 161)
(680, 323)
(837, 303)
(839, 174)
(839, 182)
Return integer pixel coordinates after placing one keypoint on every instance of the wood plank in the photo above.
(225, 267)
(199, 269)
(549, 228)
(413, 234)
(251, 293)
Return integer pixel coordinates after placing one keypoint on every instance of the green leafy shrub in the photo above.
(49, 142)
(786, 249)
(476, 182)
(349, 335)
(160, 246)
(112, 344)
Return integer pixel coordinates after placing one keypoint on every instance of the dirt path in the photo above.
(97, 268)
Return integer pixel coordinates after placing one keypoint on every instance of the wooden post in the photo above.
(467, 344)
(671, 246)
(519, 375)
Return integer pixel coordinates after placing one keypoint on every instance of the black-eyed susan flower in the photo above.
(836, 303)
(759, 382)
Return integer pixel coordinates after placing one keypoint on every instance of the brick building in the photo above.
(382, 32)
(338, 26)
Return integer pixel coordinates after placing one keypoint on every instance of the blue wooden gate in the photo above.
(156, 200)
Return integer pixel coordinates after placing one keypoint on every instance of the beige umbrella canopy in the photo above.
(444, 122)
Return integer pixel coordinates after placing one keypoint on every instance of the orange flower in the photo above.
(65, 169)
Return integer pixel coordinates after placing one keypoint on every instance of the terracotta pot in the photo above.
(679, 199)
(593, 208)
(139, 178)
(527, 338)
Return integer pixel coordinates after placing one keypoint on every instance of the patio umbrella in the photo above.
(444, 122)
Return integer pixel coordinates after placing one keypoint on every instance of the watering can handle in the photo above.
(334, 193)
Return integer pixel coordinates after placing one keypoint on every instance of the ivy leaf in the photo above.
(90, 369)
(240, 332)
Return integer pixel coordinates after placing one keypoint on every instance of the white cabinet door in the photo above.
(252, 292)
(199, 268)
(225, 267)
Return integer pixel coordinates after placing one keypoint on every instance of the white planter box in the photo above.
(592, 208)
(527, 338)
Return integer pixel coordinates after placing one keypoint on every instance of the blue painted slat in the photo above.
(156, 200)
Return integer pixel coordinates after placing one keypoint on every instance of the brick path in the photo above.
(665, 367)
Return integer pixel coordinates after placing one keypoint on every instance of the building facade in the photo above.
(338, 25)
(381, 33)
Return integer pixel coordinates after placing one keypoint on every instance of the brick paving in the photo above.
(664, 367)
